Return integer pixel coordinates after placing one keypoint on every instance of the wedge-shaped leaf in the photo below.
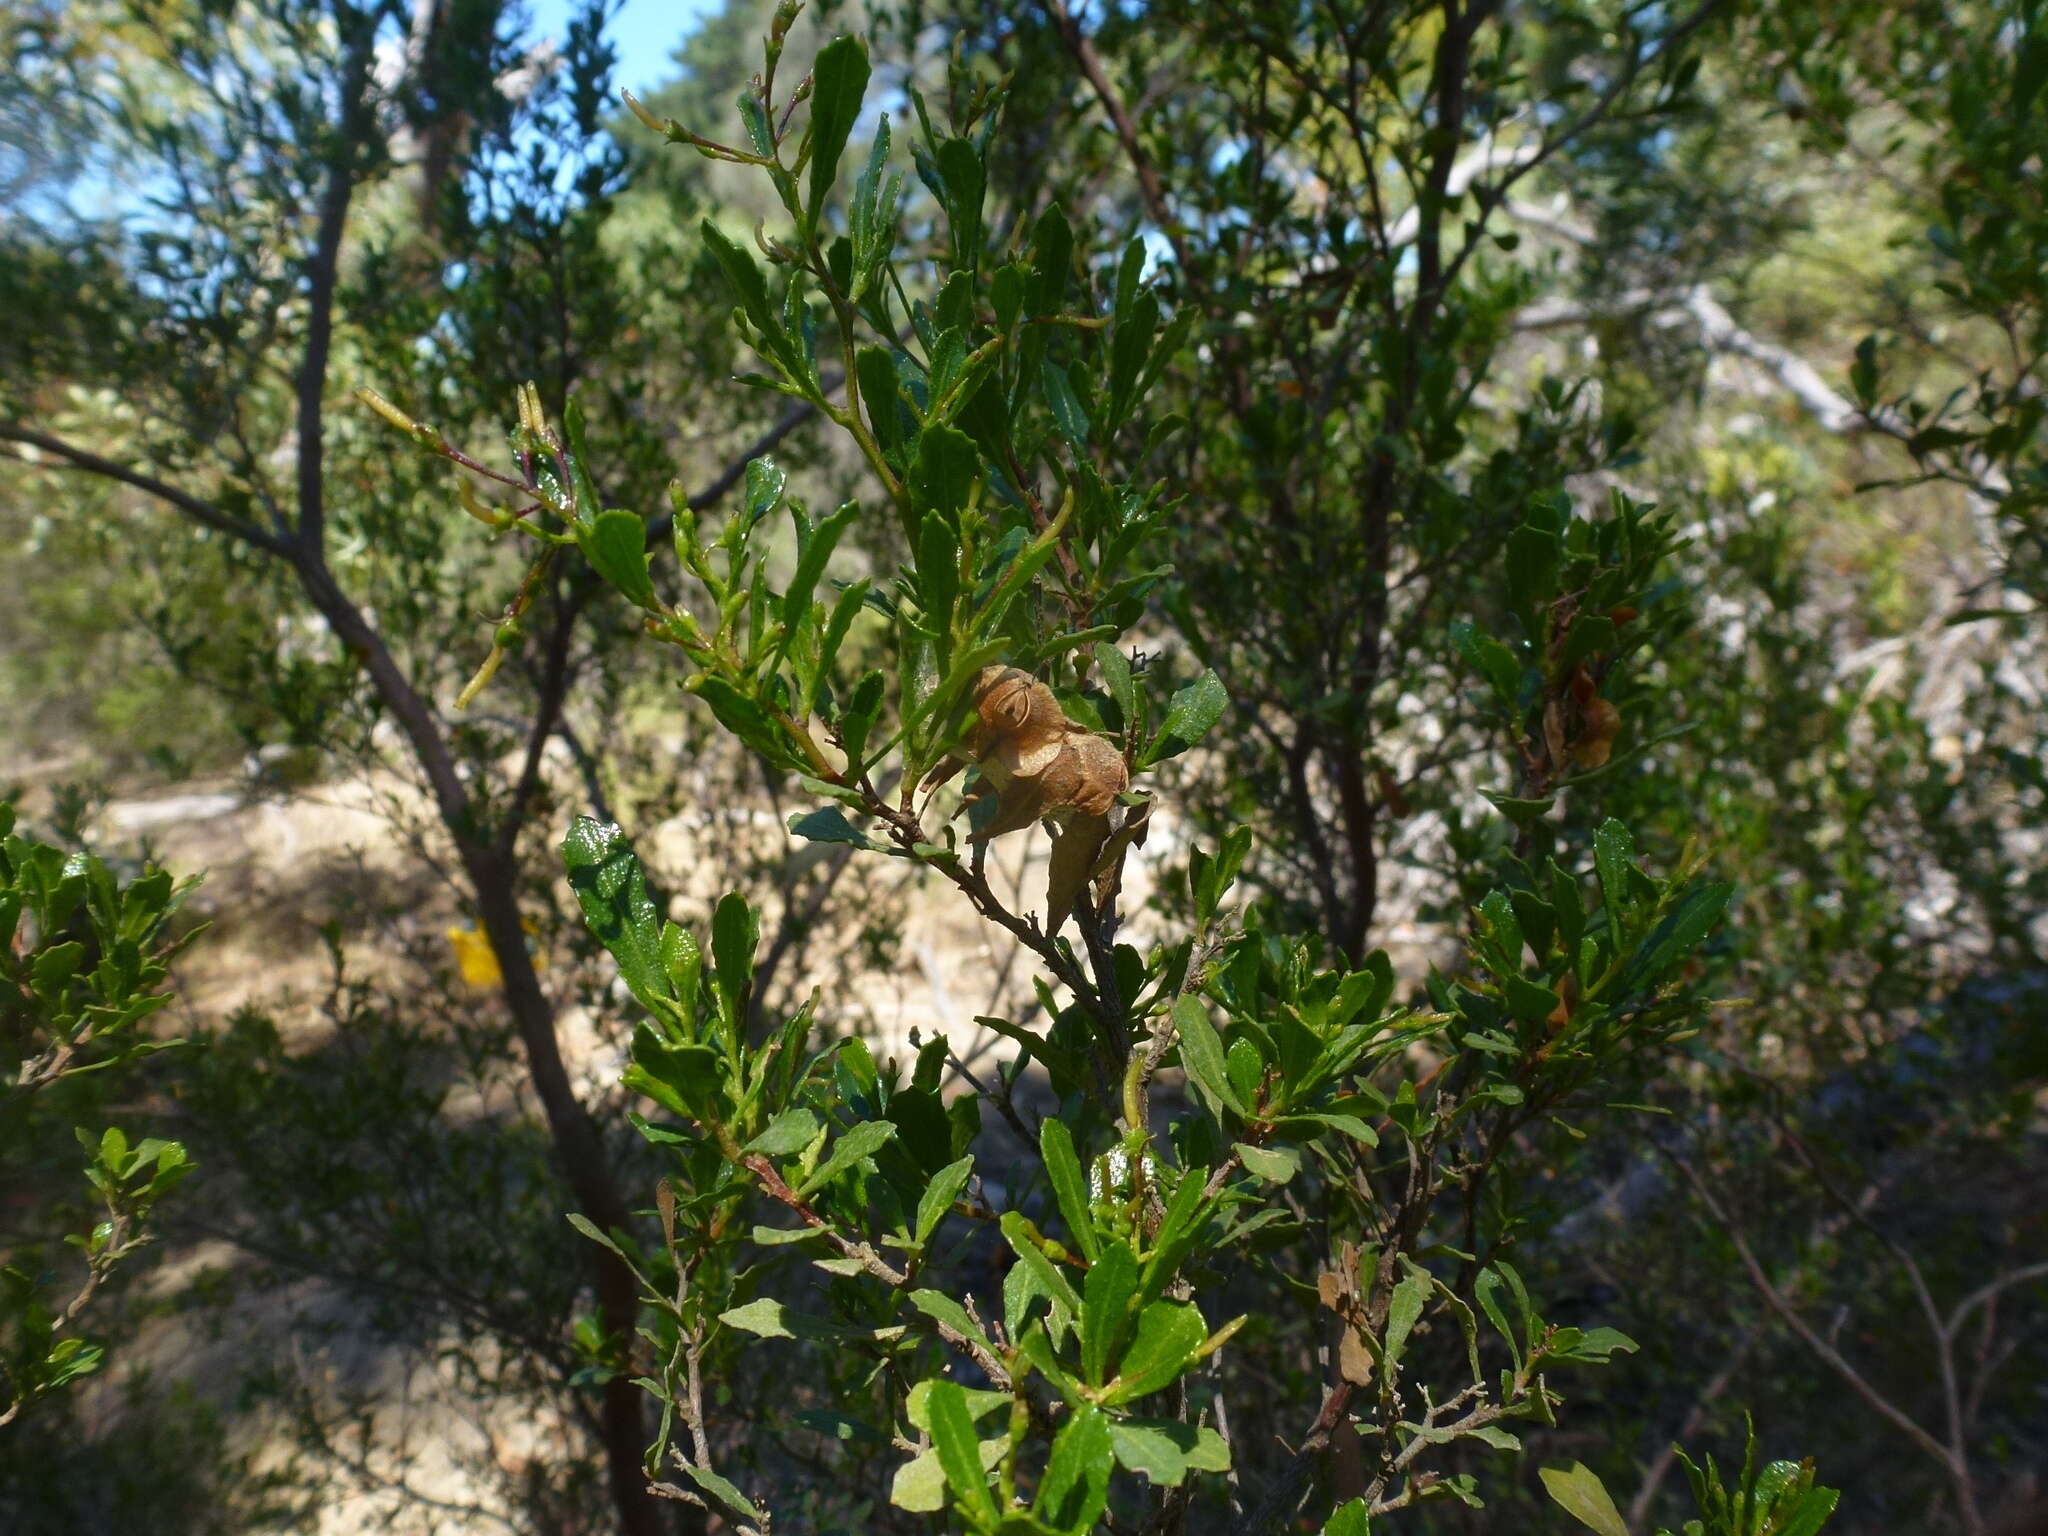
(920, 1484)
(1069, 416)
(1063, 1168)
(1487, 1291)
(1043, 1271)
(1808, 1513)
(1075, 1488)
(1581, 1494)
(1404, 1310)
(917, 1404)
(1596, 1345)
(1201, 1053)
(810, 565)
(735, 935)
(1105, 1305)
(768, 1318)
(862, 1141)
(1164, 1451)
(591, 1230)
(1276, 1165)
(839, 81)
(959, 1451)
(939, 1195)
(941, 1308)
(1190, 715)
(615, 544)
(1023, 1287)
(612, 890)
(683, 1079)
(828, 824)
(1186, 1215)
(790, 1131)
(1351, 1519)
(1115, 668)
(1168, 1334)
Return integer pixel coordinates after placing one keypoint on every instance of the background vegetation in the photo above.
(1532, 518)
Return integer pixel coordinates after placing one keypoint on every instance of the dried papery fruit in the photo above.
(1041, 765)
(1599, 724)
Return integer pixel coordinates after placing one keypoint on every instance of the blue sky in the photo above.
(644, 31)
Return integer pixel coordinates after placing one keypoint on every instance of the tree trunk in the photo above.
(580, 1150)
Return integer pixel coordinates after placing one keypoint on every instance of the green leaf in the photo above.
(585, 504)
(981, 1402)
(862, 1141)
(1168, 1334)
(796, 600)
(1614, 853)
(1105, 1303)
(839, 81)
(1069, 1187)
(1069, 417)
(615, 544)
(748, 284)
(765, 1318)
(721, 1490)
(789, 1132)
(1486, 1291)
(959, 1451)
(1276, 1165)
(1583, 1496)
(828, 824)
(1164, 1451)
(683, 1079)
(875, 372)
(1075, 1488)
(742, 715)
(1050, 1281)
(51, 971)
(1809, 1512)
(598, 1235)
(1492, 661)
(735, 935)
(938, 575)
(1522, 813)
(965, 181)
(1677, 934)
(1403, 1312)
(1186, 1215)
(1115, 668)
(941, 1308)
(1201, 1052)
(612, 890)
(1351, 1519)
(939, 1196)
(1191, 715)
(919, 1485)
(943, 473)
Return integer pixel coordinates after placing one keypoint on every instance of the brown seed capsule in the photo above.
(1043, 765)
(1600, 724)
